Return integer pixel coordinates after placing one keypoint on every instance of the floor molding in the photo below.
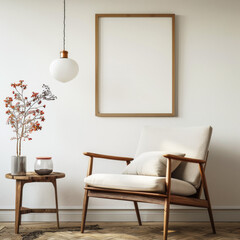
(183, 215)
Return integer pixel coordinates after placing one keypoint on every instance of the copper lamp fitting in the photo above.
(64, 54)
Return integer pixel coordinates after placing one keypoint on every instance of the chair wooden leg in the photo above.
(205, 188)
(84, 211)
(138, 214)
(166, 218)
(211, 218)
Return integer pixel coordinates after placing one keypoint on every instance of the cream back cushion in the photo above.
(193, 141)
(151, 164)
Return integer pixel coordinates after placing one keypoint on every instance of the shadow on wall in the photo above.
(223, 176)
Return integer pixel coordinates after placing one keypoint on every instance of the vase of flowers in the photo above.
(24, 116)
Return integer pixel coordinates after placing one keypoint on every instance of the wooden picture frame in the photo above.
(135, 65)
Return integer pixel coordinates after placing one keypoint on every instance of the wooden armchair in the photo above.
(97, 185)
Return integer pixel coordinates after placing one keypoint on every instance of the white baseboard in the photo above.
(98, 215)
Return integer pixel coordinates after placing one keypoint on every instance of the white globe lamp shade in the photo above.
(64, 69)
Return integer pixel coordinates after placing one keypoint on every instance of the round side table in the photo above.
(30, 178)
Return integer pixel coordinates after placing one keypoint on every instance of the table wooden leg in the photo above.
(18, 204)
(56, 198)
(20, 215)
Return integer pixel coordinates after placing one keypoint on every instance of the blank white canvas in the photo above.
(135, 65)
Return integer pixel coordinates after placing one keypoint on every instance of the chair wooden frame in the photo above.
(150, 197)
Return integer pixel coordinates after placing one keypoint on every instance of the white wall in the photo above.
(207, 73)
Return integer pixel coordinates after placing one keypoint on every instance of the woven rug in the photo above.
(1, 228)
(122, 231)
(62, 233)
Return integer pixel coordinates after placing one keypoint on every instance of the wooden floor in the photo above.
(120, 230)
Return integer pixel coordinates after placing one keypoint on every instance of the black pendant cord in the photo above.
(64, 24)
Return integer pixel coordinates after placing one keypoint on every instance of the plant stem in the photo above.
(17, 138)
(17, 146)
(23, 123)
(20, 142)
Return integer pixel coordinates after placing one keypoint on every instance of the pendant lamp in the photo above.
(64, 69)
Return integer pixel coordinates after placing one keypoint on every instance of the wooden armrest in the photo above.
(96, 155)
(184, 159)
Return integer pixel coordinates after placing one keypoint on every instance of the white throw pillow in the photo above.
(152, 164)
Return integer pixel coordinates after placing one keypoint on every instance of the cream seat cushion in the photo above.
(139, 183)
(152, 164)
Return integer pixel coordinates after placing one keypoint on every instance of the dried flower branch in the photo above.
(25, 113)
